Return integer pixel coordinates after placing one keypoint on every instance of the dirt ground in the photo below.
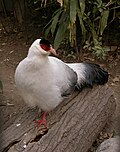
(14, 47)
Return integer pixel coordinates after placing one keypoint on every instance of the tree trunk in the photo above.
(19, 10)
(73, 125)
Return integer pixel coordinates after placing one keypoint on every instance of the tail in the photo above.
(89, 74)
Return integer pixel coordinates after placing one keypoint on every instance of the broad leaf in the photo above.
(47, 30)
(103, 21)
(72, 34)
(118, 2)
(73, 11)
(64, 16)
(57, 11)
(81, 24)
(49, 27)
(55, 21)
(66, 3)
(82, 6)
(60, 35)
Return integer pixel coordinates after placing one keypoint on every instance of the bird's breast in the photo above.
(37, 86)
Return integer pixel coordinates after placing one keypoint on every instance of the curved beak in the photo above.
(53, 51)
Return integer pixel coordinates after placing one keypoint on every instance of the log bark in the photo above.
(73, 125)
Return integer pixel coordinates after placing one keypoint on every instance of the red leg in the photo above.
(42, 121)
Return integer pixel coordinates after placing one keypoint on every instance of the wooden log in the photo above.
(73, 125)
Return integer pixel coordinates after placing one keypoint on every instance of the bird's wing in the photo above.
(88, 74)
(65, 77)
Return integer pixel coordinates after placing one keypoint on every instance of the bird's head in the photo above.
(41, 47)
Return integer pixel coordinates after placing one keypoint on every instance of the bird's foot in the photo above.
(42, 121)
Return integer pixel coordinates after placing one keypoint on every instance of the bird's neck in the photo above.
(38, 59)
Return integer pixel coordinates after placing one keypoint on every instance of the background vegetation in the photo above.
(79, 24)
(88, 18)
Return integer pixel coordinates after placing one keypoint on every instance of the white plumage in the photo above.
(44, 81)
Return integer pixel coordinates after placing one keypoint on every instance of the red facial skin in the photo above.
(45, 47)
(48, 49)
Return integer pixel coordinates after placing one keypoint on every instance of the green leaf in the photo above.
(72, 34)
(118, 2)
(73, 11)
(64, 16)
(103, 21)
(81, 23)
(36, 1)
(57, 11)
(66, 3)
(48, 27)
(55, 21)
(82, 6)
(99, 3)
(97, 18)
(60, 35)
(47, 30)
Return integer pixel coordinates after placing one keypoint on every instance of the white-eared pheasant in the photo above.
(44, 81)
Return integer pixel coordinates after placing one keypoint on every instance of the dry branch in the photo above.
(73, 125)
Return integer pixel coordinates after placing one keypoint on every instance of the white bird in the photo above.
(44, 81)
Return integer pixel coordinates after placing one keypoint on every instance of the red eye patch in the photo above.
(45, 47)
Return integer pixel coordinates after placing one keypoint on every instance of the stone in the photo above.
(110, 145)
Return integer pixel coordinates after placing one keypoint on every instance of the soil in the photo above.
(14, 47)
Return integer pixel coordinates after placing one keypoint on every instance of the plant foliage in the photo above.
(93, 18)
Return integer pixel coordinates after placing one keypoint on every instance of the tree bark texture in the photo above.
(19, 10)
(73, 125)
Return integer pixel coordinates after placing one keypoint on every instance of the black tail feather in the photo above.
(101, 77)
(93, 74)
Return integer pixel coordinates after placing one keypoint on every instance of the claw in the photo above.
(42, 121)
